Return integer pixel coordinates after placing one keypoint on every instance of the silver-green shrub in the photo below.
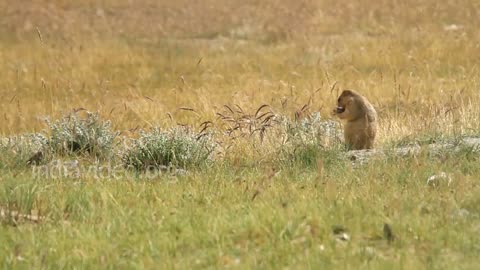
(73, 134)
(309, 137)
(179, 147)
(16, 151)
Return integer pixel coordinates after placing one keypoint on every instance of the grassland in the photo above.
(144, 64)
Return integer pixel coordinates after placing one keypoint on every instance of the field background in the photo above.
(152, 63)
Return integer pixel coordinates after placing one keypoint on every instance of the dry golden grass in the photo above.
(136, 62)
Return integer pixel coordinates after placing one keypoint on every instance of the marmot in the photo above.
(360, 120)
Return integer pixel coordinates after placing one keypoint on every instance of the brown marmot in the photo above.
(360, 120)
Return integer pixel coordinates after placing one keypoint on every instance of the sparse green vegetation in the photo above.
(229, 94)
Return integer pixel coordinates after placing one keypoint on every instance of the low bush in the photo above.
(18, 151)
(90, 135)
(179, 147)
(308, 138)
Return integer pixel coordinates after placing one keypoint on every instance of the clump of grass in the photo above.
(90, 135)
(309, 138)
(17, 197)
(17, 150)
(178, 147)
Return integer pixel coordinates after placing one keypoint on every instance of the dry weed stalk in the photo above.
(241, 124)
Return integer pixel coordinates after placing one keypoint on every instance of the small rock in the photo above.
(343, 237)
(340, 233)
(437, 179)
(461, 213)
(452, 27)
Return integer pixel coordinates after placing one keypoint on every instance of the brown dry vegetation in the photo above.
(137, 61)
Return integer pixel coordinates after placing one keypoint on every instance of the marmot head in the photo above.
(350, 106)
